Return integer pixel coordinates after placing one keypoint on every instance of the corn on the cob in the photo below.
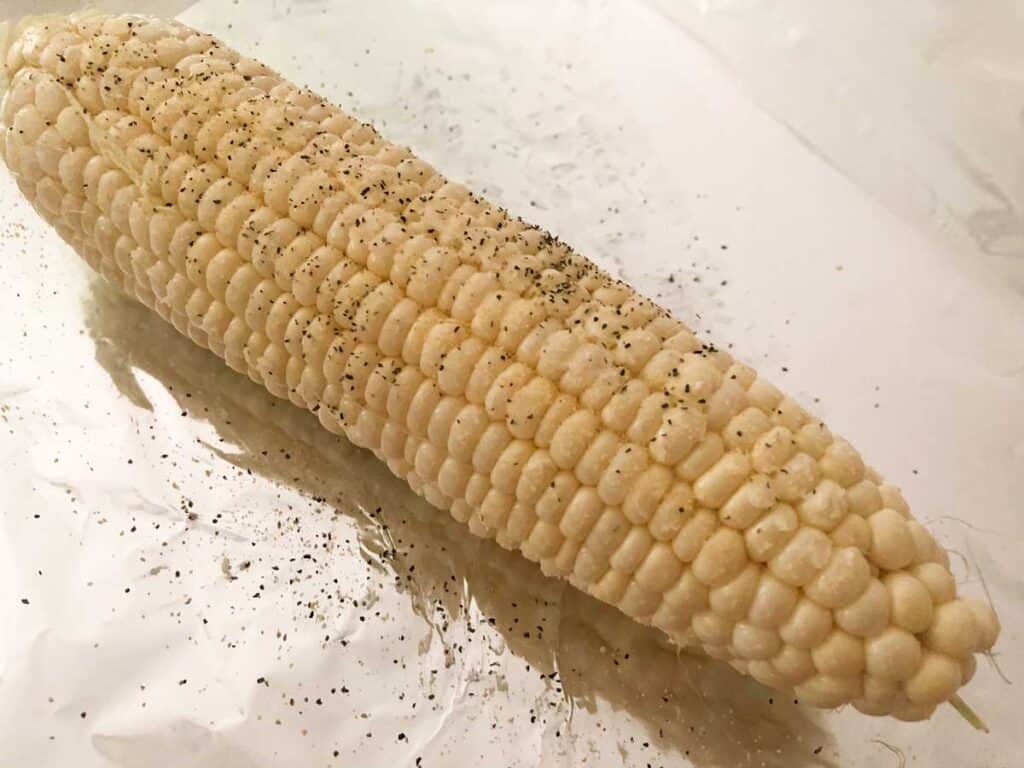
(508, 380)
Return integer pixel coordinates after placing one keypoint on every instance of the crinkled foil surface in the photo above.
(194, 575)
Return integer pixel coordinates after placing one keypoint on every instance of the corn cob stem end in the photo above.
(968, 714)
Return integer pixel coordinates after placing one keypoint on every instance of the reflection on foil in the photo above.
(928, 124)
(473, 602)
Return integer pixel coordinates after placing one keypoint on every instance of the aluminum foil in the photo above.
(194, 574)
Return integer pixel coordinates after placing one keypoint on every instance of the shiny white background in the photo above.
(834, 193)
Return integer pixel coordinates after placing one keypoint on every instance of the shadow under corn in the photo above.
(595, 656)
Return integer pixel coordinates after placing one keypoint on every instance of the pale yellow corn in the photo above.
(505, 378)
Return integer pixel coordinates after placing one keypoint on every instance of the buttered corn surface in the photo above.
(507, 379)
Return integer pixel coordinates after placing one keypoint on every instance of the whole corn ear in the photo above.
(508, 380)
